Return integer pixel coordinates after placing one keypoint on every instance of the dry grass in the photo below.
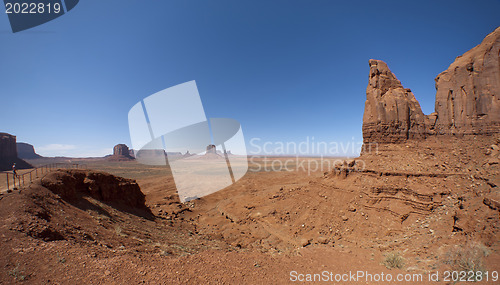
(18, 274)
(469, 257)
(393, 260)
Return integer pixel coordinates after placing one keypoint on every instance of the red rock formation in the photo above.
(8, 153)
(468, 92)
(467, 99)
(70, 184)
(121, 149)
(392, 114)
(7, 146)
(121, 152)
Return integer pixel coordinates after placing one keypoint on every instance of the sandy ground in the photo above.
(423, 205)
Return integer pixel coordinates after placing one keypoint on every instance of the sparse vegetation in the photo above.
(467, 258)
(18, 274)
(393, 260)
(61, 259)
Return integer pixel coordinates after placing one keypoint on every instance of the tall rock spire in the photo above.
(392, 114)
(467, 99)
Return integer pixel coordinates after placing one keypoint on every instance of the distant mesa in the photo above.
(121, 149)
(212, 153)
(158, 156)
(26, 151)
(188, 154)
(8, 153)
(211, 149)
(121, 152)
(221, 153)
(467, 99)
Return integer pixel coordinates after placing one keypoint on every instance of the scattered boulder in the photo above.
(322, 240)
(494, 205)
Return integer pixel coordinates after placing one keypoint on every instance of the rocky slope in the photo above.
(467, 99)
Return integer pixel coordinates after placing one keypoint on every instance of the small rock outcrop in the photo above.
(8, 153)
(121, 152)
(26, 151)
(467, 99)
(70, 184)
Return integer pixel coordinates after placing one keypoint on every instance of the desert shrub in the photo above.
(393, 260)
(18, 274)
(467, 257)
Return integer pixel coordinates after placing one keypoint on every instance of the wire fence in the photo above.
(16, 181)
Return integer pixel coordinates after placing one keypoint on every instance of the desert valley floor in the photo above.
(430, 207)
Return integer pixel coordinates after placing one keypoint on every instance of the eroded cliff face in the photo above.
(26, 151)
(8, 153)
(467, 99)
(7, 146)
(121, 152)
(392, 114)
(468, 92)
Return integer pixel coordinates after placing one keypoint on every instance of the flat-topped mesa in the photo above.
(392, 114)
(468, 92)
(467, 99)
(121, 152)
(26, 151)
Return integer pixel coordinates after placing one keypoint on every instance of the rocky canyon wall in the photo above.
(467, 99)
(8, 153)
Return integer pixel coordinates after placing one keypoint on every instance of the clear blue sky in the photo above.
(287, 70)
